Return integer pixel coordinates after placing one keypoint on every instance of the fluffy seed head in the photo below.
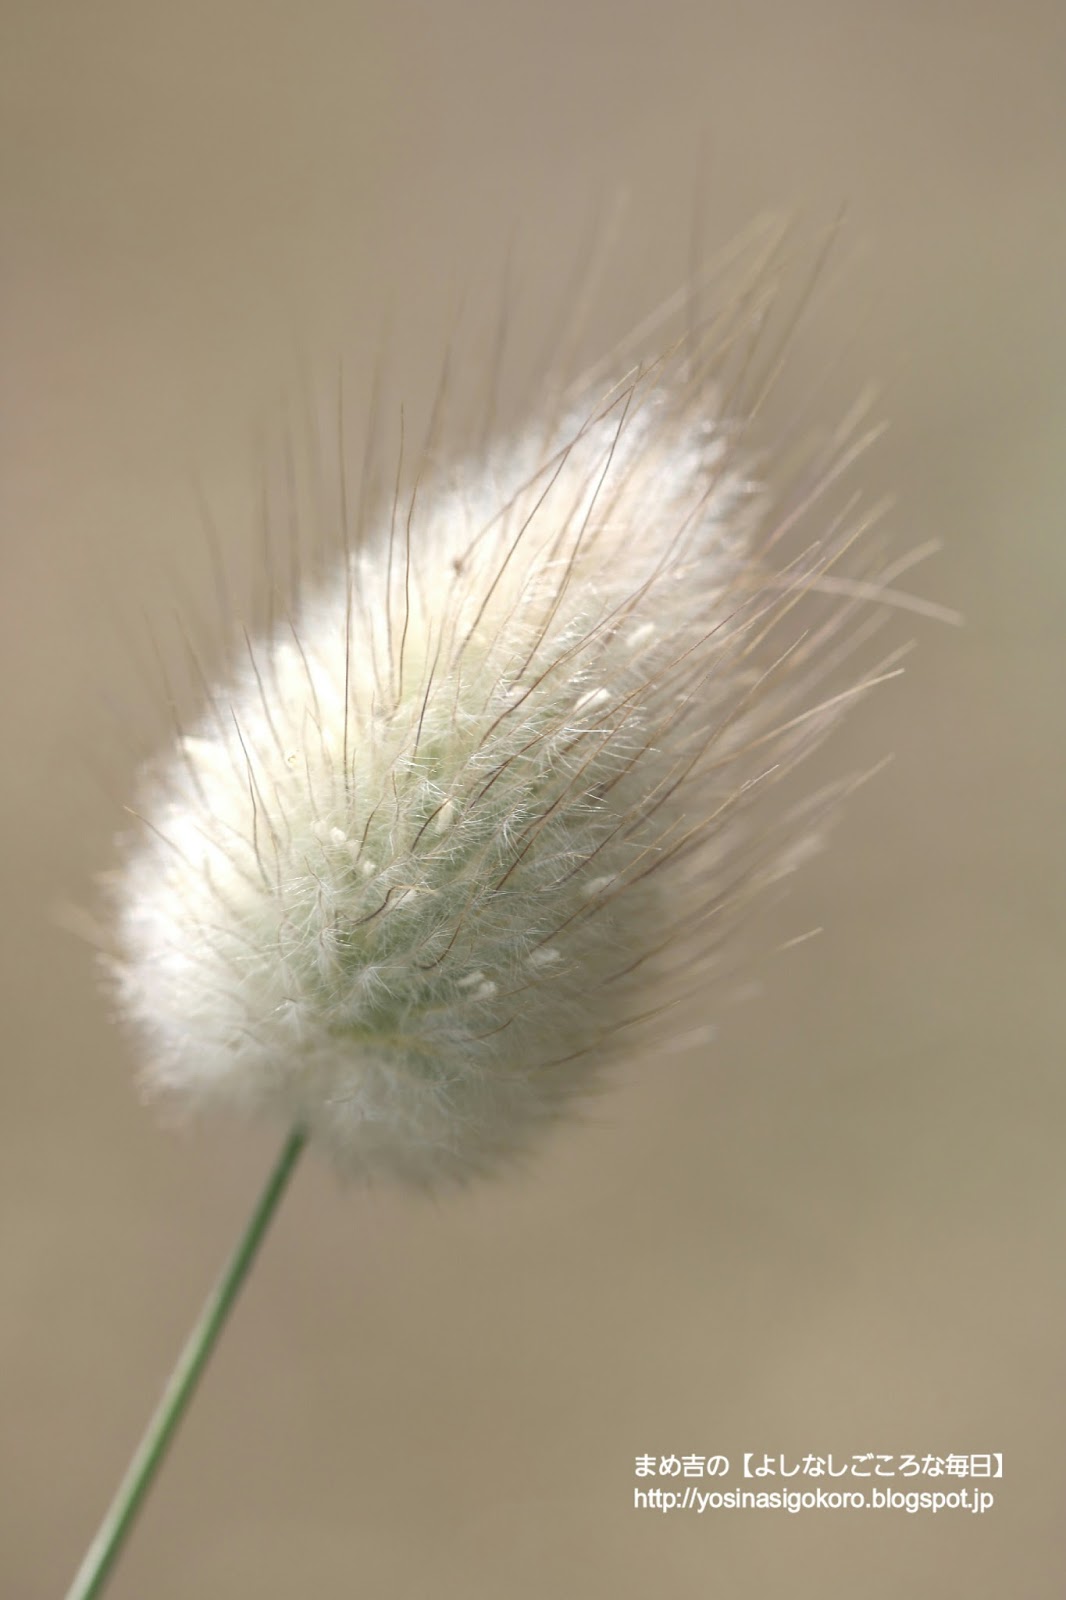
(475, 817)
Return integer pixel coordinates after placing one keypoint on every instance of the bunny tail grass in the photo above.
(116, 1525)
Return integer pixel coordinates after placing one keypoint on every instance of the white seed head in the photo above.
(478, 815)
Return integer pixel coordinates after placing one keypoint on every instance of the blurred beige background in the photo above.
(840, 1228)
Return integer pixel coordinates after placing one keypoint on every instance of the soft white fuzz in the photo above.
(472, 824)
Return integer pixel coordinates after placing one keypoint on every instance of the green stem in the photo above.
(182, 1383)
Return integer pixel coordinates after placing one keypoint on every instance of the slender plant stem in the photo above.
(182, 1383)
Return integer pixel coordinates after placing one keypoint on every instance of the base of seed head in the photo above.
(474, 822)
